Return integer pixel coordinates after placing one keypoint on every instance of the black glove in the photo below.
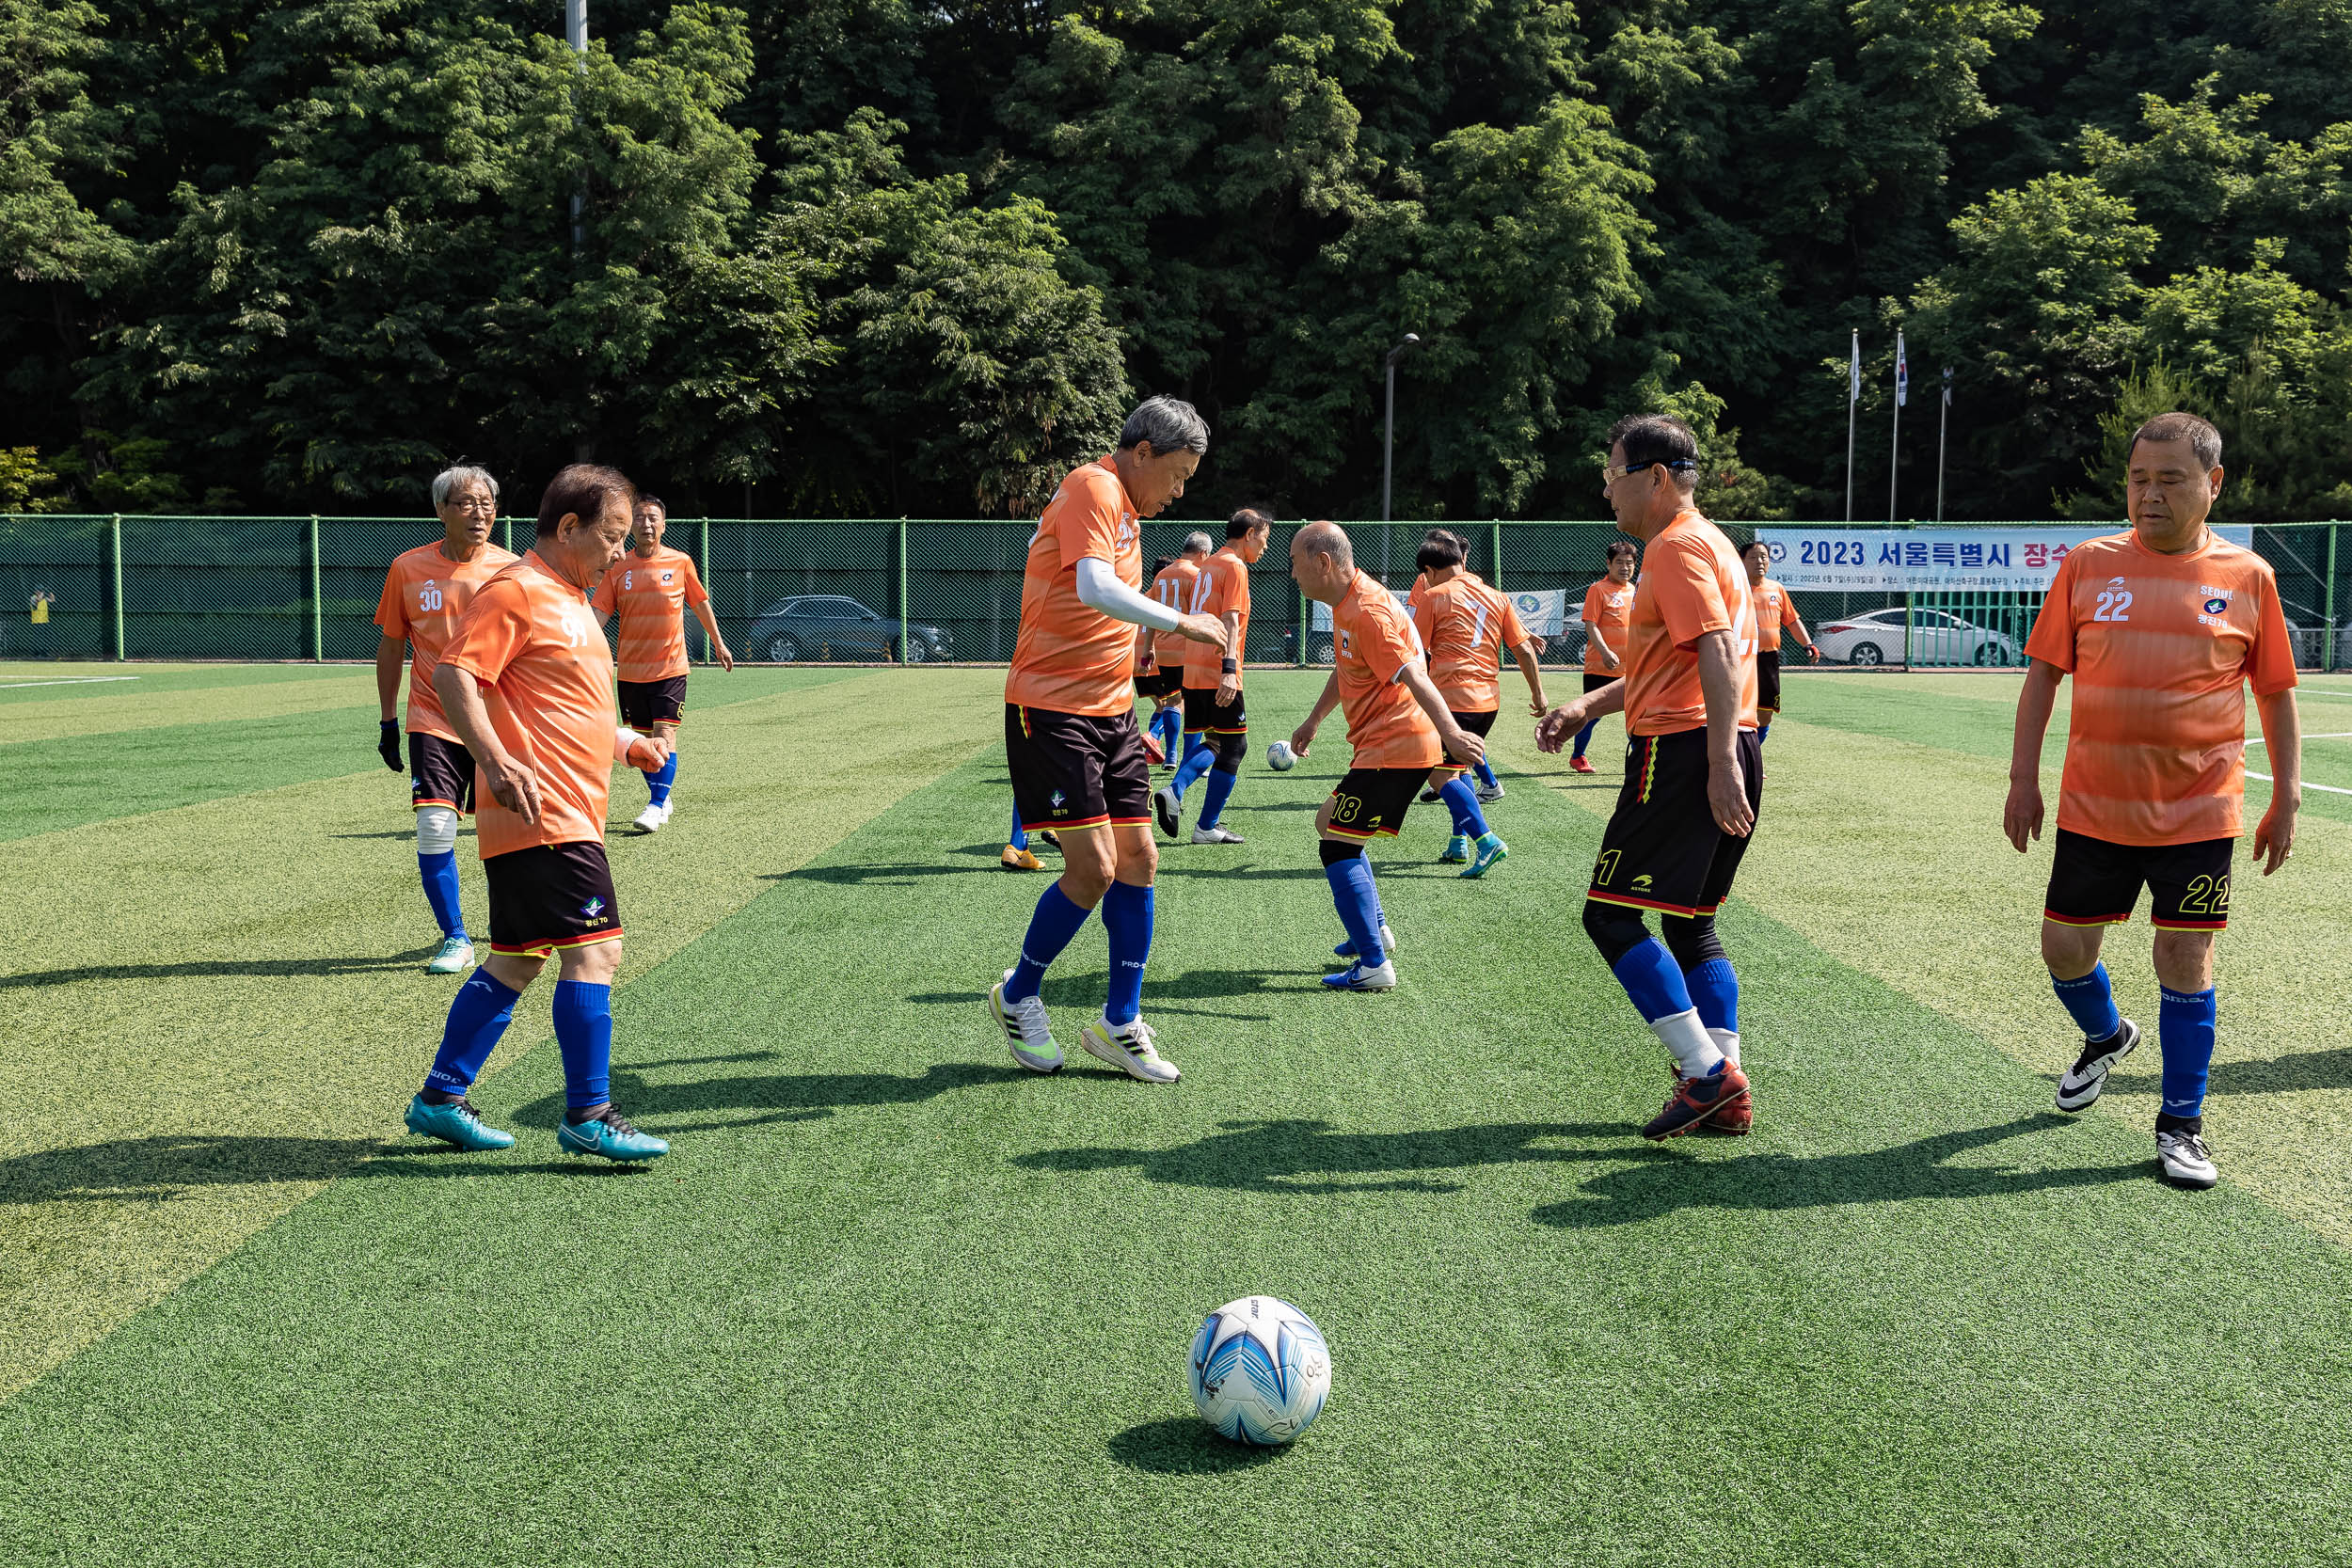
(387, 746)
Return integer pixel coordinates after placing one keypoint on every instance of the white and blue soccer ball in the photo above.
(1279, 756)
(1260, 1370)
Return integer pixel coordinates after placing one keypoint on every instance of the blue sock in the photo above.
(1462, 801)
(1358, 900)
(584, 1033)
(1487, 774)
(1653, 981)
(478, 1015)
(1763, 733)
(2184, 1030)
(1056, 920)
(1584, 737)
(1715, 992)
(1196, 763)
(660, 783)
(1168, 724)
(2091, 1002)
(440, 890)
(1019, 839)
(1127, 916)
(1214, 794)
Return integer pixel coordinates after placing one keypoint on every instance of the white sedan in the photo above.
(1936, 637)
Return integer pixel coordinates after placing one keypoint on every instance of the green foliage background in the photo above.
(884, 256)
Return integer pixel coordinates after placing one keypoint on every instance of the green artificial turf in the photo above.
(892, 1301)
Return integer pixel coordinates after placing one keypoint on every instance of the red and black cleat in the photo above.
(1697, 1102)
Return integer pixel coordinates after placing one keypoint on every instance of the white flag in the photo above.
(1902, 372)
(1853, 379)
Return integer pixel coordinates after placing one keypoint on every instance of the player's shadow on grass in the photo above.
(2307, 1069)
(1771, 1180)
(1084, 991)
(1310, 1157)
(1181, 1448)
(217, 969)
(776, 1097)
(857, 876)
(158, 1168)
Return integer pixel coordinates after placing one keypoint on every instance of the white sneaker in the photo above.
(1129, 1048)
(1168, 809)
(2185, 1158)
(2083, 1083)
(1216, 835)
(1357, 978)
(1347, 949)
(1489, 794)
(454, 953)
(1027, 1034)
(650, 820)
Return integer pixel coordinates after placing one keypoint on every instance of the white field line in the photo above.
(2331, 789)
(77, 680)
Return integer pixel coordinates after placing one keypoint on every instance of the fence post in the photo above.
(902, 591)
(1304, 621)
(1494, 554)
(318, 612)
(1910, 599)
(702, 565)
(2328, 663)
(115, 539)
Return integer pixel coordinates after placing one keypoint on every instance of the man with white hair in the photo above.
(425, 591)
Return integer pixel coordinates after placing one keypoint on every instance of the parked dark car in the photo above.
(828, 628)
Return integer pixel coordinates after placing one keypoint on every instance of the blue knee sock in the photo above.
(1057, 919)
(1462, 801)
(1358, 902)
(1019, 839)
(1763, 733)
(584, 1033)
(478, 1015)
(1127, 916)
(1487, 774)
(440, 890)
(1168, 724)
(1715, 992)
(2184, 1029)
(1196, 763)
(1214, 794)
(1584, 737)
(2091, 1002)
(1653, 981)
(660, 783)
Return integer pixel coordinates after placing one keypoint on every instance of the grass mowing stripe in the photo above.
(214, 1009)
(893, 1302)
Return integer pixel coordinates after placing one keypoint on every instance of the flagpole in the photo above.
(1853, 401)
(1943, 423)
(1894, 440)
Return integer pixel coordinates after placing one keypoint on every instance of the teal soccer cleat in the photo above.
(1456, 850)
(458, 1123)
(455, 955)
(609, 1137)
(1490, 849)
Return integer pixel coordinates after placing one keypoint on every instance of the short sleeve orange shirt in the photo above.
(1607, 605)
(424, 594)
(1774, 610)
(2158, 646)
(533, 643)
(1373, 641)
(1465, 624)
(1069, 657)
(1692, 583)
(1173, 588)
(651, 595)
(1222, 585)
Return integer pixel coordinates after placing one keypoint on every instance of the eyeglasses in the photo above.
(1610, 473)
(474, 503)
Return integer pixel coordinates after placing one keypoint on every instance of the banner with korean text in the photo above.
(2021, 560)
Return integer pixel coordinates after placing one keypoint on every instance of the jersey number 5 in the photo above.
(2114, 605)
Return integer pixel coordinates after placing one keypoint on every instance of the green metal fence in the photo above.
(863, 590)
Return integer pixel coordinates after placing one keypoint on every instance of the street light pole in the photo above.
(575, 35)
(1943, 421)
(1387, 449)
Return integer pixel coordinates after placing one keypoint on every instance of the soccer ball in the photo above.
(1279, 756)
(1260, 1370)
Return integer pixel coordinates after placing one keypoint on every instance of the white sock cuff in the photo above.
(437, 830)
(1727, 1042)
(1686, 1036)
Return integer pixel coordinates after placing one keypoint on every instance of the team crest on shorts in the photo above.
(1060, 803)
(593, 911)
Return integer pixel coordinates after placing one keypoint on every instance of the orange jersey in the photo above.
(1607, 605)
(1691, 584)
(531, 639)
(1465, 624)
(1774, 610)
(1173, 588)
(651, 595)
(1373, 641)
(1070, 659)
(424, 594)
(2158, 645)
(1222, 585)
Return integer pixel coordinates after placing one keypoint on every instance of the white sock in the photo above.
(1727, 1042)
(1686, 1036)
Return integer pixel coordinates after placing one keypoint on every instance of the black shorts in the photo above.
(2094, 882)
(1594, 681)
(1479, 724)
(1160, 682)
(551, 895)
(1371, 802)
(646, 704)
(1071, 770)
(1661, 850)
(1768, 681)
(1202, 713)
(441, 774)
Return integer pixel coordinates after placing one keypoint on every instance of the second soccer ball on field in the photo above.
(1279, 757)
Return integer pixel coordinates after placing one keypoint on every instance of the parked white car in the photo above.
(1936, 637)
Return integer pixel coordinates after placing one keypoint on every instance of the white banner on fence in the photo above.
(1319, 614)
(1903, 561)
(1546, 614)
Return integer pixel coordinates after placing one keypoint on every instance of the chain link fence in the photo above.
(909, 591)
